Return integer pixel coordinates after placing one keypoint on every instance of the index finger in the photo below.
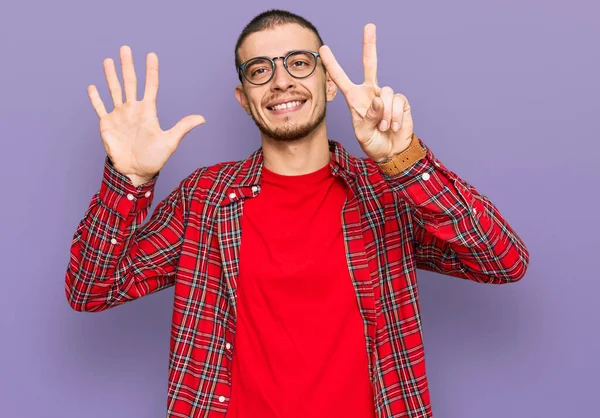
(370, 54)
(334, 69)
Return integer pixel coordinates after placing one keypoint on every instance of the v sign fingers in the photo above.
(338, 75)
(382, 121)
(370, 54)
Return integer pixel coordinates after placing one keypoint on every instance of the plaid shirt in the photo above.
(424, 217)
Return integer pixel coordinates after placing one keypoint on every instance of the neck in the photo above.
(299, 157)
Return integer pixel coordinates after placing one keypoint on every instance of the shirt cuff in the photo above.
(118, 193)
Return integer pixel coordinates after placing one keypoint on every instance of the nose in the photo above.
(282, 80)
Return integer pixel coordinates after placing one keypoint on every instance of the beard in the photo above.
(291, 131)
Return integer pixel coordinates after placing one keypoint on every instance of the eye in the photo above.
(258, 68)
(299, 63)
(258, 71)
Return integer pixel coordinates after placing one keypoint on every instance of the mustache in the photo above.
(286, 98)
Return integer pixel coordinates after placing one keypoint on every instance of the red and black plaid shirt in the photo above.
(425, 217)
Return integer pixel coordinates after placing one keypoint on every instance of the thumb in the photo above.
(374, 113)
(185, 125)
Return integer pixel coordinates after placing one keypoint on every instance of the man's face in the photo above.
(288, 124)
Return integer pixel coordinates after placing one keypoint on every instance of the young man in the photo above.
(295, 269)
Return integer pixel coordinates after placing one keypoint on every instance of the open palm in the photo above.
(131, 133)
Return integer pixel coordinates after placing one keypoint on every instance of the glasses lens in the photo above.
(301, 64)
(258, 70)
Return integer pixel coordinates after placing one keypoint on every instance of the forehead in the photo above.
(278, 41)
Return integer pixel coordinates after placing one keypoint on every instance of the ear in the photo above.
(331, 88)
(241, 97)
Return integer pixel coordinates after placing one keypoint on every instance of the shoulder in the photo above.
(211, 178)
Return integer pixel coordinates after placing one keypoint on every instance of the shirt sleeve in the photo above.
(113, 258)
(458, 231)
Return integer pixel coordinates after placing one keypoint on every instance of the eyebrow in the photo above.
(284, 54)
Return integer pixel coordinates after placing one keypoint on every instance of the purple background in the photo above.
(504, 92)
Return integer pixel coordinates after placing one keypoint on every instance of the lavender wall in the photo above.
(504, 92)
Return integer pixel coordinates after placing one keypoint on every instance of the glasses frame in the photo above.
(242, 67)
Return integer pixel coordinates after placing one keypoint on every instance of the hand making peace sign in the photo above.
(382, 120)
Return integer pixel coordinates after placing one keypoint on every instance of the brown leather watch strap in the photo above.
(405, 159)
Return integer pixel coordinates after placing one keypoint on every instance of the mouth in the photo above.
(288, 107)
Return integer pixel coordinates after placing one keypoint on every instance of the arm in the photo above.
(113, 258)
(457, 231)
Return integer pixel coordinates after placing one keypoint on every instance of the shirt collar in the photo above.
(245, 175)
(250, 170)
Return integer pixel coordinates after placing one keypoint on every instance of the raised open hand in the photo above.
(131, 133)
(382, 120)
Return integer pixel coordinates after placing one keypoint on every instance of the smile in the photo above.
(287, 107)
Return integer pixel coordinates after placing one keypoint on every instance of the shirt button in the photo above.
(221, 398)
(228, 346)
(425, 176)
(147, 194)
(255, 189)
(475, 211)
(113, 241)
(129, 196)
(232, 195)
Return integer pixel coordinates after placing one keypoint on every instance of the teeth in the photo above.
(286, 105)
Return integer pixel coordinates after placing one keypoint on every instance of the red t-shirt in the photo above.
(299, 348)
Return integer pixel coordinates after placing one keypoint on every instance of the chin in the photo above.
(290, 132)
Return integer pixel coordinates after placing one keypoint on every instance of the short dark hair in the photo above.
(269, 20)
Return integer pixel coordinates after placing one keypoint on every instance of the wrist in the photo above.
(135, 179)
(139, 180)
(404, 159)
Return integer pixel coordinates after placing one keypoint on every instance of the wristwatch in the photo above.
(405, 159)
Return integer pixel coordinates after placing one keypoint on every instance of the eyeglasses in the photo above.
(260, 70)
